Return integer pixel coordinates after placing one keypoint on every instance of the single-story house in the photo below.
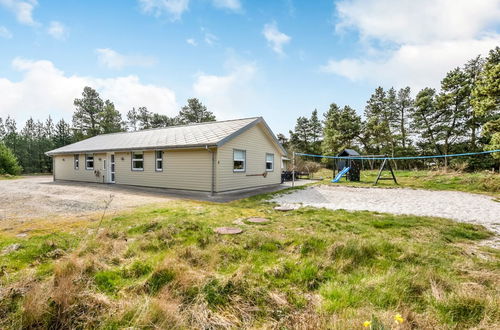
(214, 157)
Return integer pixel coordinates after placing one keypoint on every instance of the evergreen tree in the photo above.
(378, 116)
(62, 134)
(452, 106)
(111, 119)
(8, 161)
(486, 100)
(132, 120)
(88, 113)
(144, 118)
(404, 104)
(426, 119)
(342, 128)
(2, 129)
(194, 112)
(158, 120)
(300, 137)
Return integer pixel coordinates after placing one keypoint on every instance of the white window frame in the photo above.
(158, 169)
(76, 161)
(272, 162)
(139, 169)
(244, 160)
(87, 160)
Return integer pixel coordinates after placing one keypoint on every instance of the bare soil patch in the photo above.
(39, 197)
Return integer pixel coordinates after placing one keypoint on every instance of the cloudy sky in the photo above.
(277, 59)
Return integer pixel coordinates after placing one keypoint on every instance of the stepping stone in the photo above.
(284, 208)
(228, 230)
(257, 220)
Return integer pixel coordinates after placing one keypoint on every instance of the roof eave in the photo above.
(247, 127)
(192, 146)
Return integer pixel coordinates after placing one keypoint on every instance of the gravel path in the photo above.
(39, 197)
(460, 206)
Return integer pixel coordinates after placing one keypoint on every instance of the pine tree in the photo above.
(342, 128)
(194, 112)
(62, 134)
(132, 120)
(404, 104)
(111, 119)
(452, 105)
(88, 112)
(377, 126)
(486, 100)
(300, 137)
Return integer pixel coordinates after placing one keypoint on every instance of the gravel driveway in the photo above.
(460, 206)
(40, 197)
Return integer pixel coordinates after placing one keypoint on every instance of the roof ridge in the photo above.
(174, 126)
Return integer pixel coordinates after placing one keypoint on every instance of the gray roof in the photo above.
(211, 134)
(350, 152)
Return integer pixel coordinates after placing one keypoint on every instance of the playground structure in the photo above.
(348, 160)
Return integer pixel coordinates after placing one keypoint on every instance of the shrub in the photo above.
(8, 161)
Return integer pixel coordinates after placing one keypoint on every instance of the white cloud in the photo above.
(275, 39)
(114, 60)
(173, 8)
(413, 43)
(208, 37)
(5, 33)
(234, 5)
(409, 21)
(415, 65)
(227, 95)
(192, 42)
(23, 10)
(44, 89)
(57, 30)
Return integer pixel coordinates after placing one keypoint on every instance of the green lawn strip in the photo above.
(352, 261)
(480, 182)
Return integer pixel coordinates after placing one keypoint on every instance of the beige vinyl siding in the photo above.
(64, 168)
(256, 143)
(182, 169)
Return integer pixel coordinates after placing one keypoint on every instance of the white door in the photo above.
(111, 175)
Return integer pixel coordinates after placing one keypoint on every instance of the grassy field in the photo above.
(163, 267)
(479, 182)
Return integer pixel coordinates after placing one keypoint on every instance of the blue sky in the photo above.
(277, 59)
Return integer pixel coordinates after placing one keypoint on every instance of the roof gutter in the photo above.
(193, 146)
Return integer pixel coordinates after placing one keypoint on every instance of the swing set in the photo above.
(350, 166)
(352, 162)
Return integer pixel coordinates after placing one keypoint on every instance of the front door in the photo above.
(111, 174)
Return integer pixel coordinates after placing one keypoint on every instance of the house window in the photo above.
(159, 160)
(89, 162)
(239, 160)
(76, 162)
(269, 162)
(138, 161)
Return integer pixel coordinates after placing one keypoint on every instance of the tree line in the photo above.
(92, 116)
(463, 116)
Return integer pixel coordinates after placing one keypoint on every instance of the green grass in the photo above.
(164, 267)
(479, 182)
(9, 177)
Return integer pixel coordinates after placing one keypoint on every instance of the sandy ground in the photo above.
(459, 206)
(39, 197)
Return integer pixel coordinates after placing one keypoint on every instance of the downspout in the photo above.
(53, 168)
(212, 188)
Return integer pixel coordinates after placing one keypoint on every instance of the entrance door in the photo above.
(112, 168)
